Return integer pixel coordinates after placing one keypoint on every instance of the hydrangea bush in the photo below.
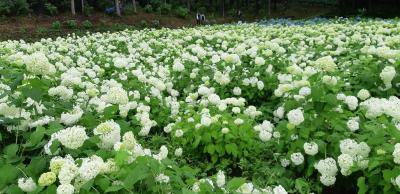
(216, 109)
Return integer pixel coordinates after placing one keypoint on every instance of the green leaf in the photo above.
(36, 166)
(362, 187)
(210, 149)
(50, 190)
(302, 186)
(88, 120)
(13, 189)
(103, 183)
(36, 136)
(54, 146)
(140, 172)
(110, 112)
(121, 157)
(231, 148)
(114, 188)
(235, 183)
(87, 185)
(11, 150)
(187, 191)
(9, 174)
(317, 93)
(304, 132)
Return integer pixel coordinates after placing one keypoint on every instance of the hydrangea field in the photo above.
(275, 109)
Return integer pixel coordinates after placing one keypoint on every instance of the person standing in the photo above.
(203, 19)
(198, 18)
(239, 15)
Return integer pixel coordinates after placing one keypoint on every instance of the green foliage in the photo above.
(129, 9)
(155, 23)
(166, 8)
(71, 24)
(148, 8)
(181, 12)
(51, 9)
(87, 24)
(56, 25)
(143, 24)
(14, 7)
(88, 10)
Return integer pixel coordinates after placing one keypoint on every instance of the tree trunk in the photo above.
(269, 8)
(117, 8)
(223, 8)
(83, 5)
(73, 7)
(134, 5)
(188, 4)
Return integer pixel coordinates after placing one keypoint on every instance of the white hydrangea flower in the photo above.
(109, 133)
(259, 61)
(205, 120)
(246, 188)
(237, 91)
(162, 178)
(326, 63)
(90, 167)
(297, 158)
(178, 152)
(305, 91)
(396, 153)
(120, 62)
(265, 135)
(279, 112)
(63, 92)
(72, 137)
(225, 130)
(387, 75)
(327, 180)
(178, 133)
(363, 94)
(162, 154)
(353, 124)
(295, 116)
(220, 179)
(327, 167)
(68, 172)
(396, 181)
(345, 162)
(65, 189)
(352, 102)
(116, 95)
(27, 184)
(279, 190)
(38, 64)
(284, 162)
(72, 117)
(178, 66)
(310, 148)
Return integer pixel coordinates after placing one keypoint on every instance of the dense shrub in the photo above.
(148, 8)
(87, 24)
(51, 9)
(181, 12)
(56, 25)
(14, 7)
(71, 24)
(88, 10)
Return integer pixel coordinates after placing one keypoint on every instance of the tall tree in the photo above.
(73, 7)
(83, 6)
(117, 8)
(223, 8)
(134, 5)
